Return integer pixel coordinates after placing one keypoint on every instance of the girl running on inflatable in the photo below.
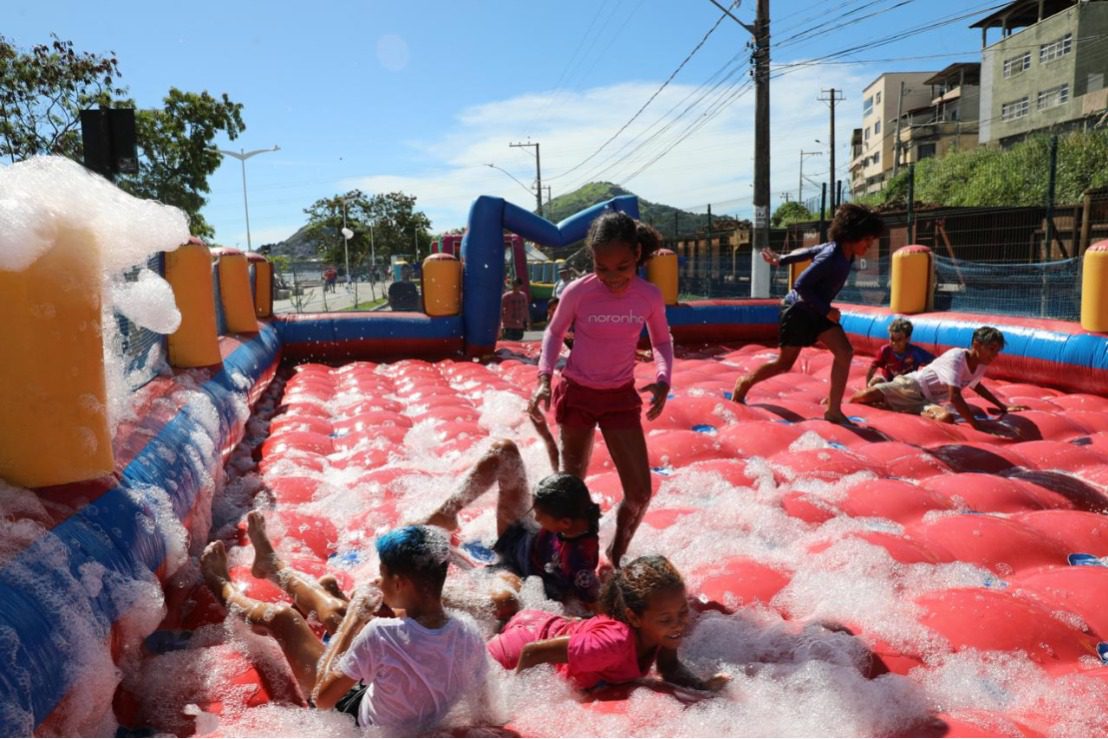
(607, 311)
(646, 615)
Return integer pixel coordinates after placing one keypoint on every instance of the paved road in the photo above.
(314, 300)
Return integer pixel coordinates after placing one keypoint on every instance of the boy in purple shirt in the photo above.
(808, 316)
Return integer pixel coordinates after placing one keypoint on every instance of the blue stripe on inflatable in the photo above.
(700, 315)
(1081, 350)
(373, 326)
(65, 589)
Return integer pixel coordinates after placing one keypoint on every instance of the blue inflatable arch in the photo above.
(483, 255)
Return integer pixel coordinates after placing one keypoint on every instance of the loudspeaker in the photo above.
(108, 137)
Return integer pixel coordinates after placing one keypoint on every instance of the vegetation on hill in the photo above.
(1018, 176)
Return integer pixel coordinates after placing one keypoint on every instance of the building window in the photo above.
(1017, 64)
(877, 158)
(1056, 49)
(877, 98)
(1015, 109)
(866, 134)
(1053, 97)
(877, 128)
(867, 106)
(925, 151)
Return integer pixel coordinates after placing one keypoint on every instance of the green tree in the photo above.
(790, 212)
(176, 152)
(43, 90)
(397, 227)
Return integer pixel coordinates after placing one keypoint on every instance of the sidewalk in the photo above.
(314, 300)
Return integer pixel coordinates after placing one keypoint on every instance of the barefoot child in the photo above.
(607, 310)
(646, 614)
(925, 390)
(808, 316)
(551, 534)
(898, 357)
(399, 674)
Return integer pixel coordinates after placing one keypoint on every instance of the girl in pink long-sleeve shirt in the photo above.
(607, 311)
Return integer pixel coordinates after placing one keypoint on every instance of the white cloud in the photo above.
(713, 165)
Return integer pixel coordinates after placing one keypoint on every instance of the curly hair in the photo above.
(854, 222)
(632, 587)
(901, 326)
(987, 335)
(566, 496)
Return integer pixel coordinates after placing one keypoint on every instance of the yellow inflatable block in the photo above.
(234, 292)
(1094, 288)
(661, 269)
(189, 272)
(53, 401)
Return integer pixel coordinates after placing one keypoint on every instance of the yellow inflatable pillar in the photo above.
(1094, 288)
(442, 285)
(234, 291)
(911, 280)
(53, 399)
(188, 270)
(262, 272)
(795, 269)
(661, 269)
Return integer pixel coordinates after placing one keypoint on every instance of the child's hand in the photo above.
(771, 256)
(659, 391)
(717, 682)
(834, 315)
(541, 396)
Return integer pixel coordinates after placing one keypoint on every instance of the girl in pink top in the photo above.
(647, 614)
(607, 311)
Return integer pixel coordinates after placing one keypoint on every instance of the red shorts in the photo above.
(586, 407)
(523, 628)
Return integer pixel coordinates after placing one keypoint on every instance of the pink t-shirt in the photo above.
(601, 649)
(606, 330)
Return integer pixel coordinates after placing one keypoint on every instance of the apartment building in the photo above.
(1047, 71)
(949, 122)
(883, 100)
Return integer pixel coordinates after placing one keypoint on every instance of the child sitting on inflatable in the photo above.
(899, 356)
(399, 674)
(551, 534)
(646, 615)
(925, 391)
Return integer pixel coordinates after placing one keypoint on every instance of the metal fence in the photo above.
(135, 342)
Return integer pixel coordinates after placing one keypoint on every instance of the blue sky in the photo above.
(421, 96)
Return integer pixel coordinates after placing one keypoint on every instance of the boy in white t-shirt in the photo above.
(401, 674)
(926, 390)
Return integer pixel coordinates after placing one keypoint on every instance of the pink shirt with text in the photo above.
(606, 331)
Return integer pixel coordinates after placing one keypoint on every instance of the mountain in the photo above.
(667, 219)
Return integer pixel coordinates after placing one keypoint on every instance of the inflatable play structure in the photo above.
(897, 577)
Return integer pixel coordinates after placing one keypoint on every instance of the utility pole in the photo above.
(800, 190)
(538, 172)
(759, 269)
(896, 144)
(833, 96)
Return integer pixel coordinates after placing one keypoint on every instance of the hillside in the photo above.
(660, 216)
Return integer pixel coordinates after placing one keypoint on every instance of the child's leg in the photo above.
(628, 450)
(784, 362)
(309, 596)
(301, 647)
(577, 444)
(835, 339)
(501, 464)
(938, 413)
(869, 396)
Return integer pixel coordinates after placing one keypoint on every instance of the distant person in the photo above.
(393, 674)
(330, 277)
(607, 311)
(926, 391)
(515, 310)
(899, 356)
(808, 316)
(565, 276)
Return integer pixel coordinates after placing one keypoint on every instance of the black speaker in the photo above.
(108, 137)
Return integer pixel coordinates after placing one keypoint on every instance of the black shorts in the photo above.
(514, 547)
(801, 326)
(513, 334)
(350, 702)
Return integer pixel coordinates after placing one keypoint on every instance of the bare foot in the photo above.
(266, 564)
(331, 585)
(839, 418)
(213, 566)
(742, 387)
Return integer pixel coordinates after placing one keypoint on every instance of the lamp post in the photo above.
(347, 234)
(242, 156)
(517, 181)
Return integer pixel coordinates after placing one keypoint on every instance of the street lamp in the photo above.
(242, 156)
(529, 190)
(347, 234)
